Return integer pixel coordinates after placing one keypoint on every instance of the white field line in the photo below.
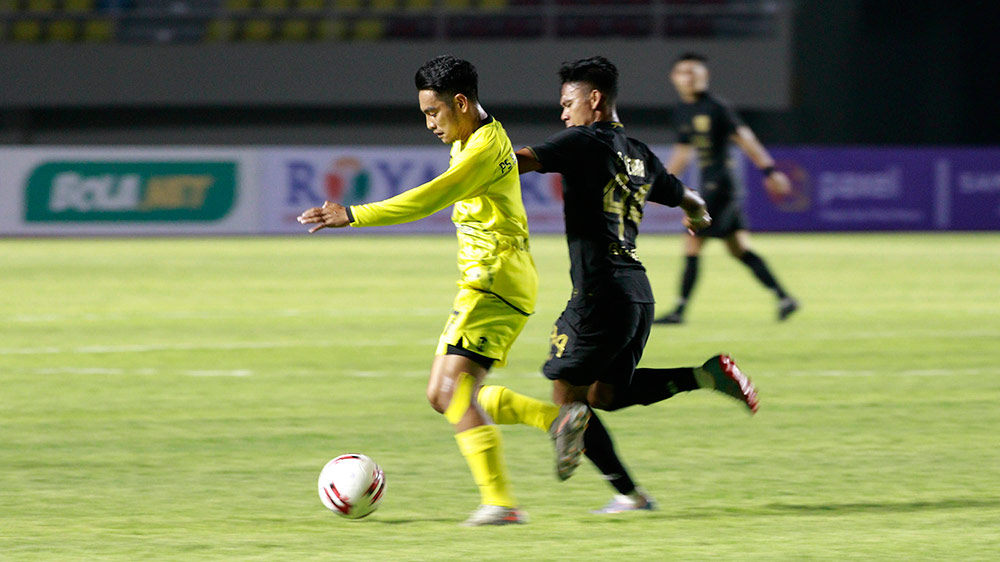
(498, 375)
(142, 371)
(100, 349)
(903, 373)
(192, 315)
(853, 336)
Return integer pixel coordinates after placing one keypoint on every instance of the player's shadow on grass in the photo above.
(843, 508)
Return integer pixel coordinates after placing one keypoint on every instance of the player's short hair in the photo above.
(691, 56)
(599, 72)
(448, 76)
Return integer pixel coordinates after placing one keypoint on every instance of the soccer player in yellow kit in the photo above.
(498, 284)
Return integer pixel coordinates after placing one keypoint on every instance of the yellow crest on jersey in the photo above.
(702, 123)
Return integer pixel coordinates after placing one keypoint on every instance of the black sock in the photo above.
(649, 386)
(760, 269)
(687, 282)
(601, 451)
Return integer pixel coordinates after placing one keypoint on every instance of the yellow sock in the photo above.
(482, 447)
(508, 407)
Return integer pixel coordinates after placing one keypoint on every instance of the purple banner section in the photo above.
(859, 189)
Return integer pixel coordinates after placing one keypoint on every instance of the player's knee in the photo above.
(602, 399)
(439, 400)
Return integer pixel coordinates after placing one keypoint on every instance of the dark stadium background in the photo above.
(83, 72)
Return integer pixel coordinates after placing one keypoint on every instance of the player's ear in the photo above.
(596, 97)
(461, 102)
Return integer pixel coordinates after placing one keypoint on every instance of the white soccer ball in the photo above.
(351, 485)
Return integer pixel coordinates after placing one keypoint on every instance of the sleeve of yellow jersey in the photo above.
(469, 175)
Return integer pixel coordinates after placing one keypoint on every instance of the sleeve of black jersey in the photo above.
(558, 152)
(730, 119)
(666, 189)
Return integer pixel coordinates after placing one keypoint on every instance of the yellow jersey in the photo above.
(482, 182)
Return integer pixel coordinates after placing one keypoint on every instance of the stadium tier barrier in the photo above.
(60, 191)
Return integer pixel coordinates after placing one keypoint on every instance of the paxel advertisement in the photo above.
(862, 189)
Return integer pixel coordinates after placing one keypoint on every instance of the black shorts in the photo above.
(598, 342)
(726, 219)
(725, 205)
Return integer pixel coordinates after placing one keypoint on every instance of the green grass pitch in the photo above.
(176, 398)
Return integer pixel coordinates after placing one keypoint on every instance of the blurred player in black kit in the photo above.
(706, 124)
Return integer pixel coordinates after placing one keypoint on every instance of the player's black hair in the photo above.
(599, 72)
(691, 55)
(448, 76)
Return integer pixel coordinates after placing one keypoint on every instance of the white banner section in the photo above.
(115, 191)
(294, 179)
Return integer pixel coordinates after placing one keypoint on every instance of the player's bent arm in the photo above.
(747, 141)
(775, 182)
(680, 157)
(467, 178)
(527, 161)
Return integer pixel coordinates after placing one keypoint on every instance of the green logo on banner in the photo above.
(130, 191)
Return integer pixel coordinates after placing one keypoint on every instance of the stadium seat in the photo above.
(41, 6)
(310, 6)
(98, 30)
(237, 6)
(258, 29)
(26, 31)
(62, 31)
(295, 30)
(347, 5)
(274, 6)
(220, 30)
(419, 5)
(78, 6)
(368, 29)
(383, 5)
(492, 5)
(331, 30)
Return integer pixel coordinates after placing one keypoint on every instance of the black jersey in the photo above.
(707, 123)
(607, 179)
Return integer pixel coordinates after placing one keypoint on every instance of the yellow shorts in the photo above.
(482, 323)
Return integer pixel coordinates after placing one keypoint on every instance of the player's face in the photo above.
(577, 103)
(441, 117)
(690, 77)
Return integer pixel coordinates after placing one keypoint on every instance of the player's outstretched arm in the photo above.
(527, 161)
(775, 182)
(330, 215)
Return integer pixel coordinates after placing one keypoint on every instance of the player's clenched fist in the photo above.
(330, 215)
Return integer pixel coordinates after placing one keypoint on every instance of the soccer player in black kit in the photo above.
(706, 124)
(598, 340)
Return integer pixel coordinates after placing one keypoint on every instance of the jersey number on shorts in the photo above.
(558, 342)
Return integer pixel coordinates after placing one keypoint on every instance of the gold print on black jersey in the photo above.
(634, 166)
(558, 342)
(702, 123)
(624, 202)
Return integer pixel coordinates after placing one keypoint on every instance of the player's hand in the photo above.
(777, 184)
(698, 220)
(330, 215)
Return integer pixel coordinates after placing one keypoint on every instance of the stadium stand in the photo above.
(192, 21)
